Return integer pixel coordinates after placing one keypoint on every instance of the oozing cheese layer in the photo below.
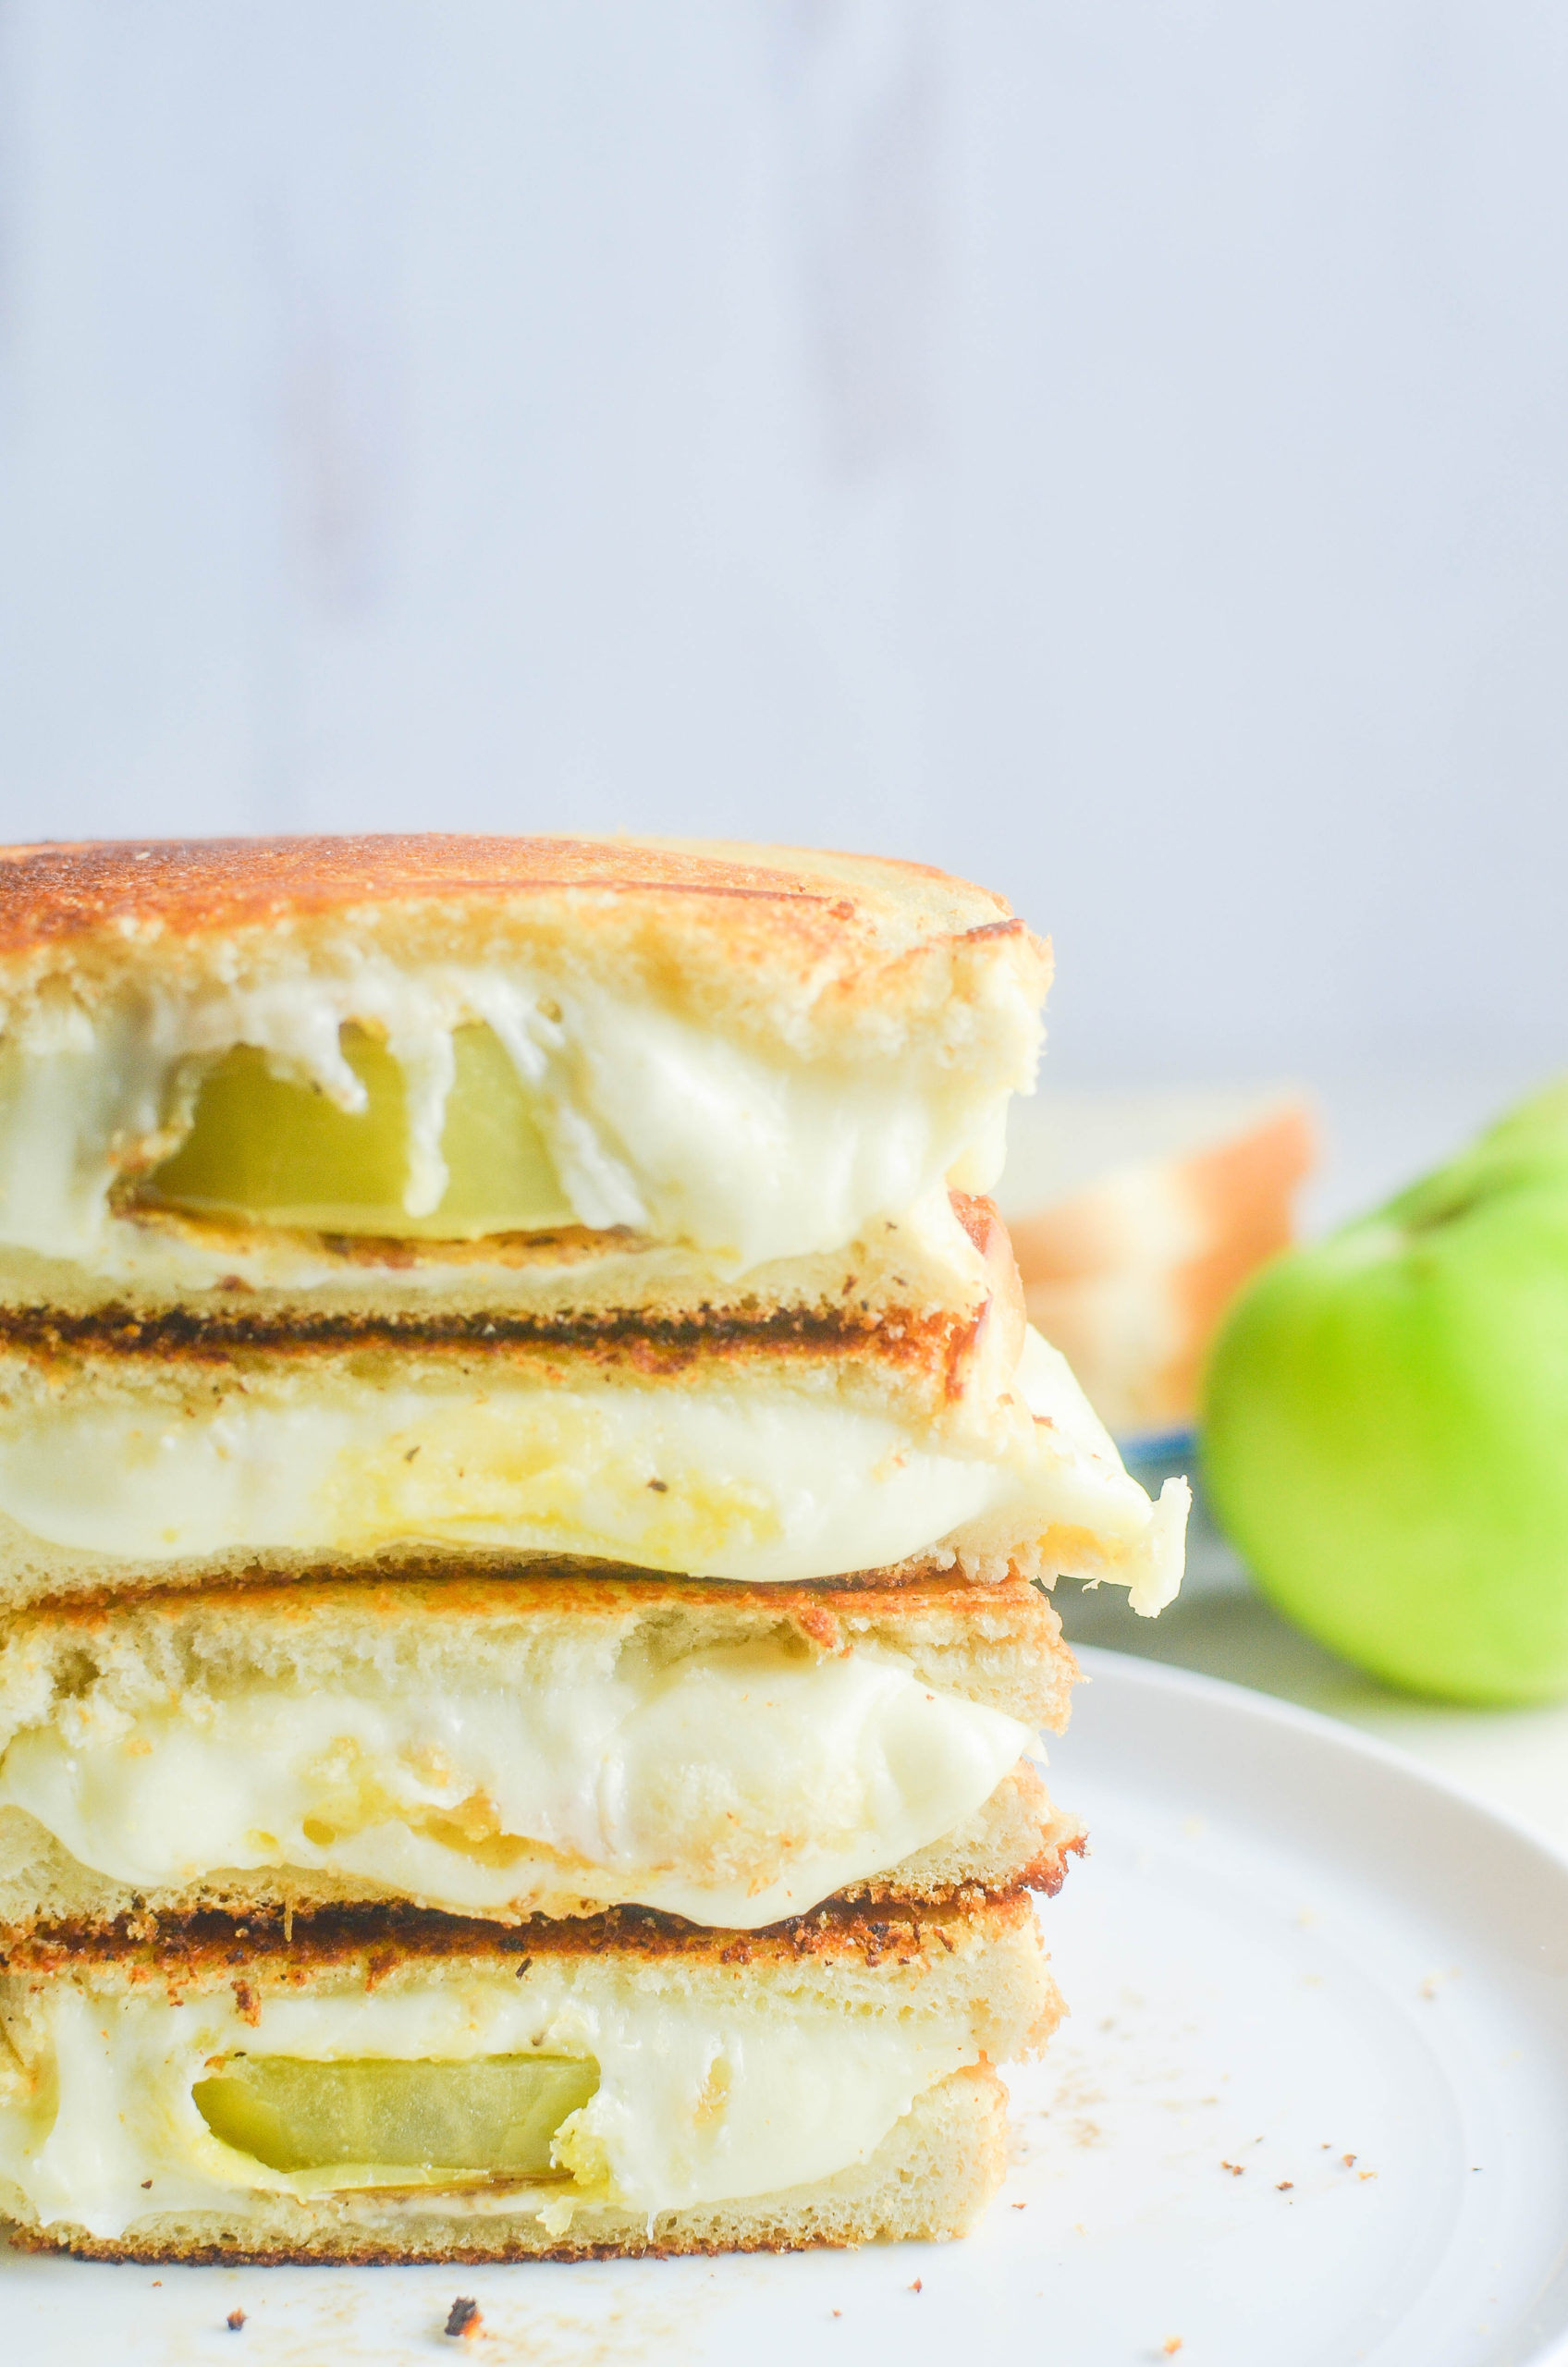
(735, 1786)
(769, 1486)
(709, 2089)
(761, 1481)
(629, 1112)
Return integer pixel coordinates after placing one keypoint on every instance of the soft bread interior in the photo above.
(821, 949)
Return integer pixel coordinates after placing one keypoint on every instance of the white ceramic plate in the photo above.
(1290, 1947)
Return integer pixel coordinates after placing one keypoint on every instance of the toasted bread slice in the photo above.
(225, 1060)
(526, 1746)
(928, 1273)
(1128, 1269)
(388, 2087)
(941, 1337)
(803, 944)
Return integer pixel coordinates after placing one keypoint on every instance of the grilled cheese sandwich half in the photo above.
(123, 1464)
(257, 1060)
(525, 1748)
(396, 2088)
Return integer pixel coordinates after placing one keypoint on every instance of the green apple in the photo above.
(1386, 1424)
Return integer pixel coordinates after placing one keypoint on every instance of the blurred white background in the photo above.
(1118, 450)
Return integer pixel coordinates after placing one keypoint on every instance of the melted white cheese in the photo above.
(653, 1121)
(760, 1481)
(735, 1786)
(708, 2090)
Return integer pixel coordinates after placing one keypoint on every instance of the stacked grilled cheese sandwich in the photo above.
(523, 1484)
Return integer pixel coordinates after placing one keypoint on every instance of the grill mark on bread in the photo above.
(944, 1342)
(381, 1939)
(626, 1334)
(1044, 1874)
(941, 1348)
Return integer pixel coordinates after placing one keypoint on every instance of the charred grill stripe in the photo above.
(380, 1937)
(121, 1330)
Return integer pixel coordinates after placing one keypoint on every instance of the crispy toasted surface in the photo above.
(170, 1362)
(929, 2180)
(818, 929)
(1002, 1648)
(208, 1332)
(198, 887)
(928, 1356)
(1020, 1840)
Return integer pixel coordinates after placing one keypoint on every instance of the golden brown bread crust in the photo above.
(841, 930)
(597, 1591)
(929, 2180)
(586, 1279)
(1004, 1649)
(822, 1610)
(195, 887)
(946, 1371)
(164, 1366)
(979, 1968)
(1019, 1801)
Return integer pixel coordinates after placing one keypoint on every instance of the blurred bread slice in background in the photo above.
(1136, 1216)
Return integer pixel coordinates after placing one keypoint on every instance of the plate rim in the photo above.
(1137, 1673)
(1273, 1709)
